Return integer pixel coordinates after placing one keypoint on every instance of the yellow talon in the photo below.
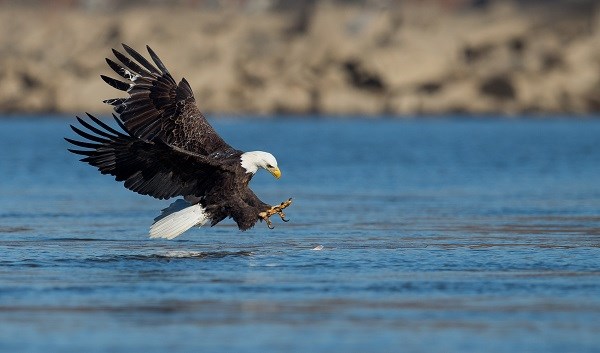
(265, 215)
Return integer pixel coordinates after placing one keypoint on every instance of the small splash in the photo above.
(182, 254)
(317, 248)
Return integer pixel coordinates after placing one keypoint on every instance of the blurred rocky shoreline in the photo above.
(326, 58)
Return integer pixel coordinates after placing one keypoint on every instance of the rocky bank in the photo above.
(327, 59)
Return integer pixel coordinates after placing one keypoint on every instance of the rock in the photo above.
(334, 59)
(351, 101)
(498, 87)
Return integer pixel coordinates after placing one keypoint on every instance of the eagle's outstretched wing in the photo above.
(157, 108)
(147, 167)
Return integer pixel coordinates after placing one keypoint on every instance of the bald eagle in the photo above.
(167, 149)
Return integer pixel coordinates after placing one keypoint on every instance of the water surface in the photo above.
(434, 236)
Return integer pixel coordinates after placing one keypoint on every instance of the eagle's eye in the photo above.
(269, 166)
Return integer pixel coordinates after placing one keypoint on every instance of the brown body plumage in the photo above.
(167, 148)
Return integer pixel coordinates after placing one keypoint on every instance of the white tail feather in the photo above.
(177, 218)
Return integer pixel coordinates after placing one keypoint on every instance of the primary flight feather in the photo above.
(167, 149)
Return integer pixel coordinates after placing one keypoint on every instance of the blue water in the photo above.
(436, 236)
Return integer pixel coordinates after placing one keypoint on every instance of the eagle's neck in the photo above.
(251, 161)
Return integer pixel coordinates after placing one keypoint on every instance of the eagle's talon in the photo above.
(285, 204)
(265, 215)
(282, 216)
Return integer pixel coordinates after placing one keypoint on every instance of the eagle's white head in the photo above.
(251, 161)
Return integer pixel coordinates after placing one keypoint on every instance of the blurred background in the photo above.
(433, 235)
(351, 57)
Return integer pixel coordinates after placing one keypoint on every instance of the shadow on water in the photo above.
(171, 256)
(17, 229)
(77, 259)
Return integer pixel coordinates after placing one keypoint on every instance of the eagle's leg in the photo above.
(265, 215)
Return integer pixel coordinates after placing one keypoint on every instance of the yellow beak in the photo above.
(276, 172)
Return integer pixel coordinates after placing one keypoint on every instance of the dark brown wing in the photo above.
(147, 167)
(158, 108)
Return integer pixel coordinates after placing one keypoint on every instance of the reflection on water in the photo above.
(445, 236)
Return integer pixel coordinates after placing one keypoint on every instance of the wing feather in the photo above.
(130, 63)
(157, 108)
(120, 85)
(93, 129)
(147, 167)
(106, 127)
(82, 143)
(140, 59)
(87, 135)
(119, 69)
(157, 61)
(115, 101)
